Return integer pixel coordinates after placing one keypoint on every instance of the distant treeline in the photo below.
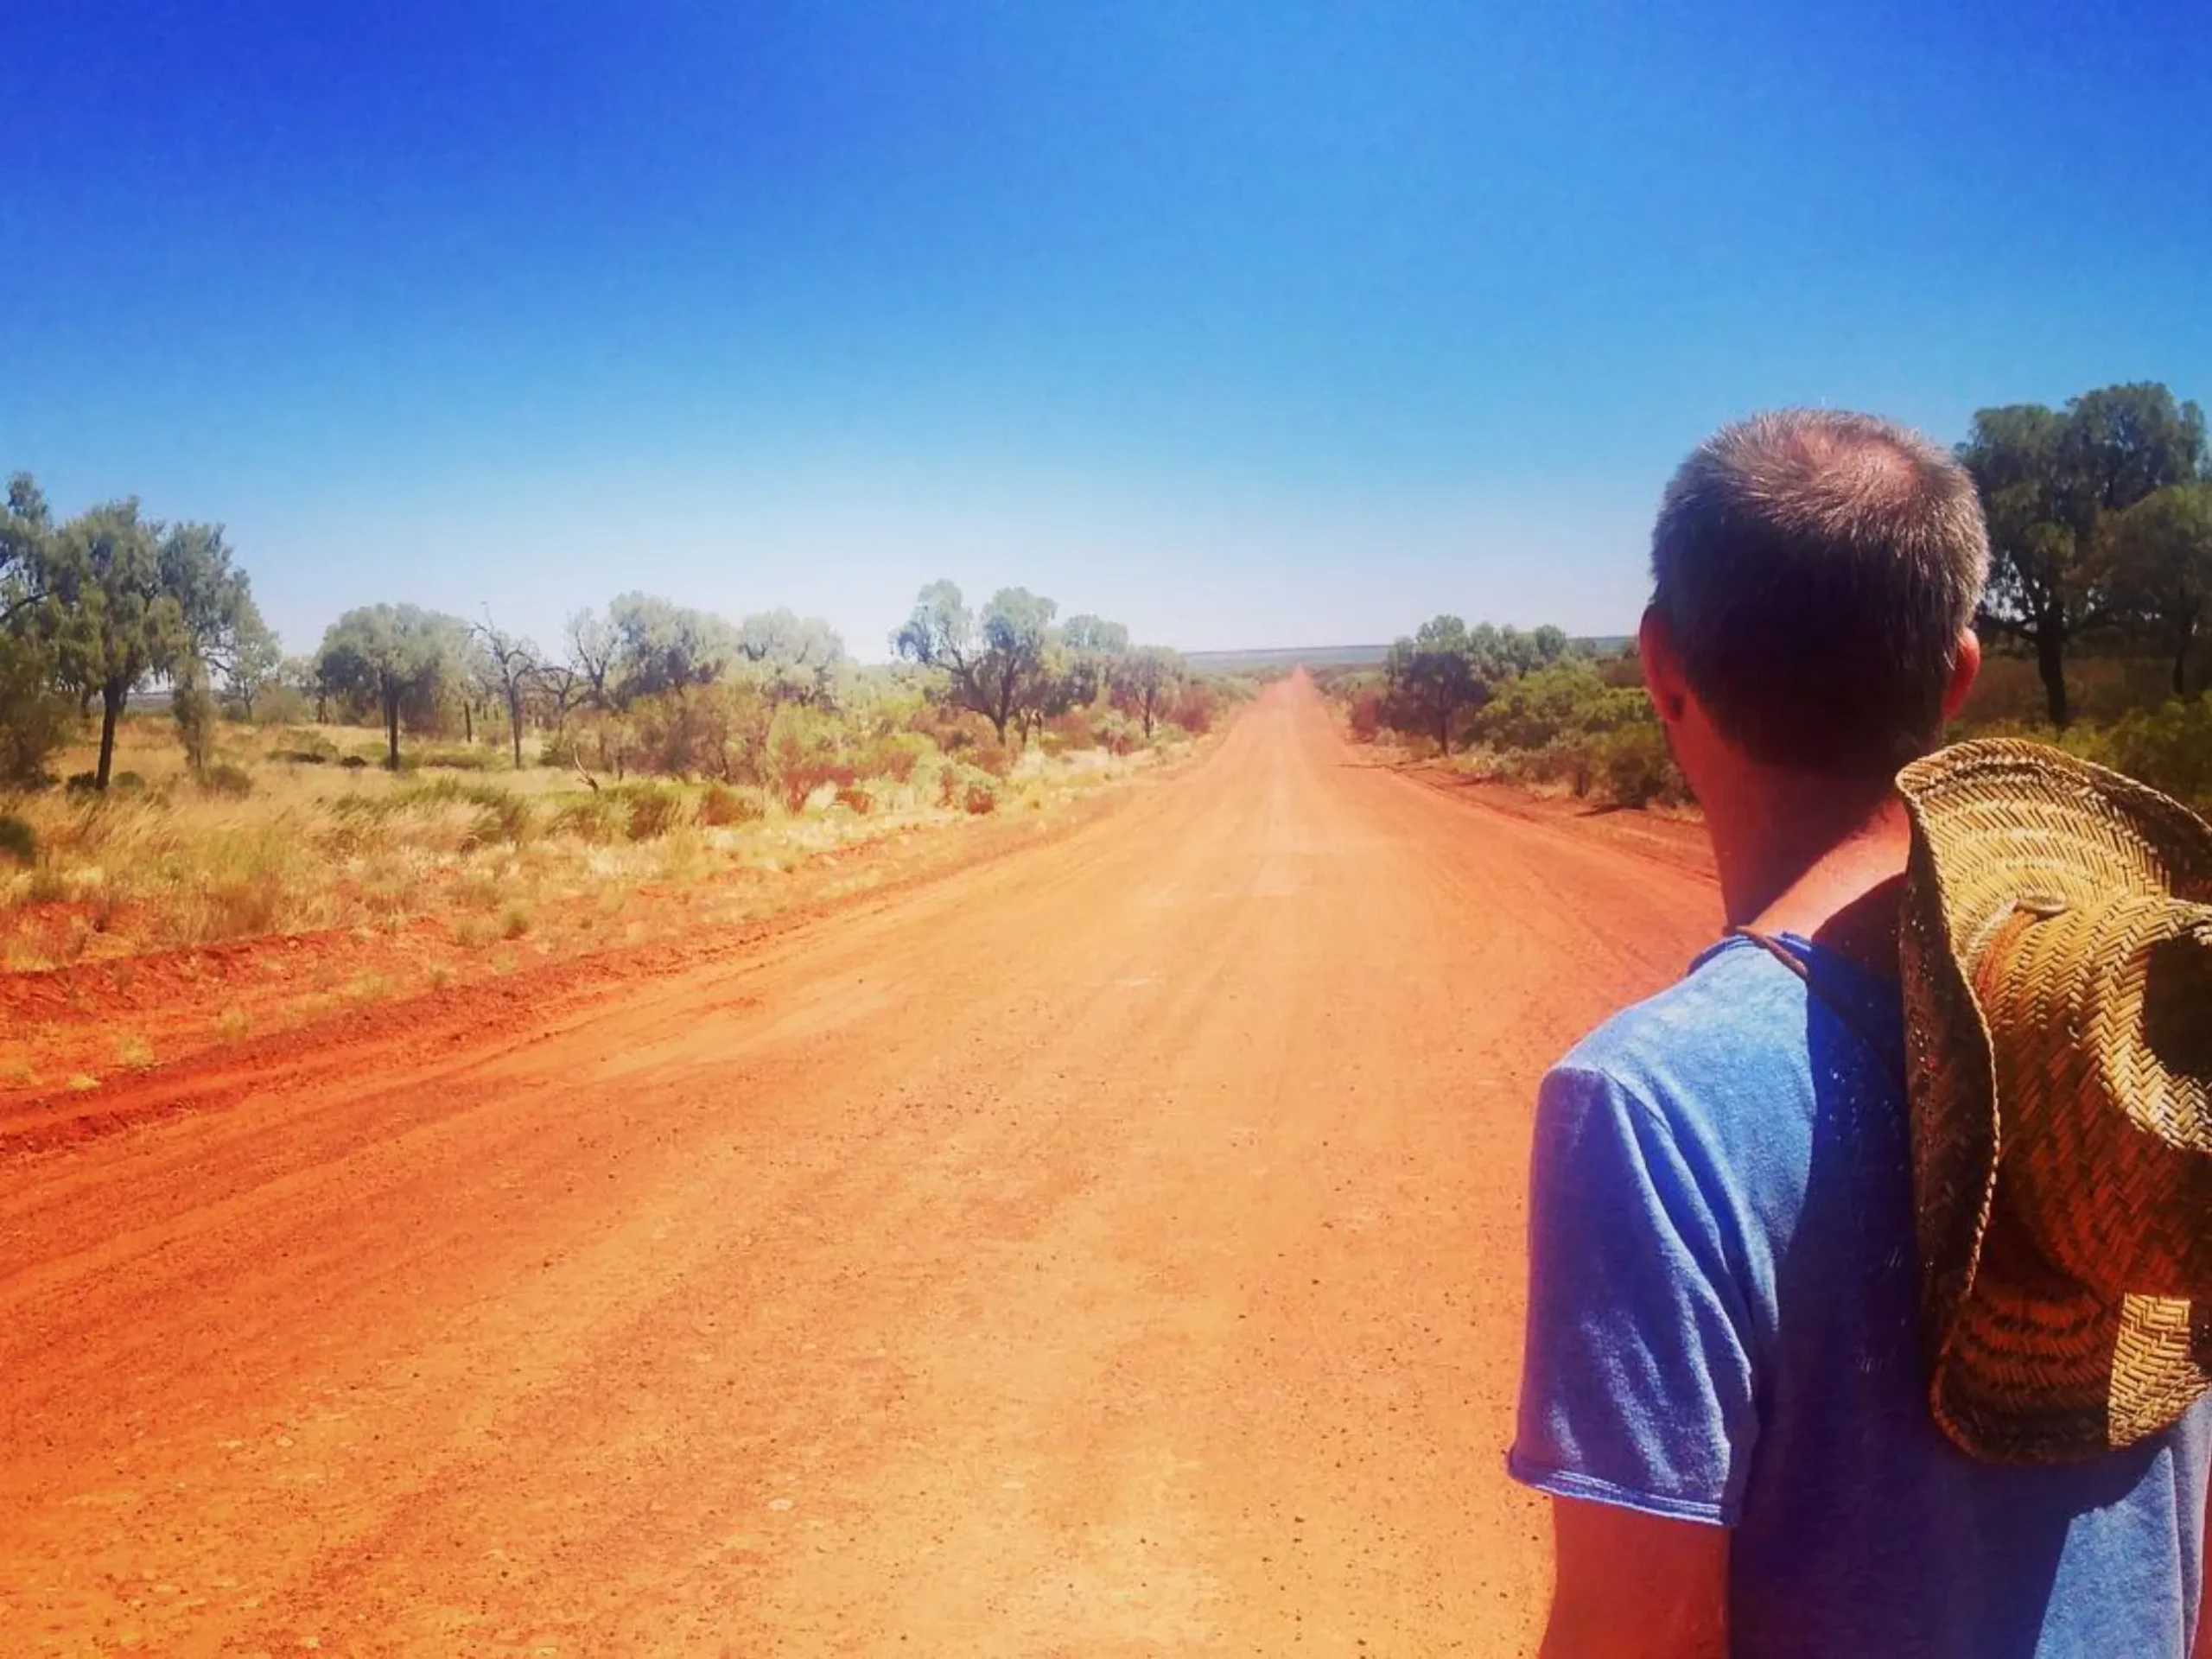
(98, 609)
(1532, 708)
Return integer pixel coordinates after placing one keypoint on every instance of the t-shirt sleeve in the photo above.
(1637, 1383)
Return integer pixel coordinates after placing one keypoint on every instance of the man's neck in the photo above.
(1814, 858)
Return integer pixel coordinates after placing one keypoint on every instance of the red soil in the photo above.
(1108, 1247)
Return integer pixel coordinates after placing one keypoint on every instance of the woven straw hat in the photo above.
(2057, 957)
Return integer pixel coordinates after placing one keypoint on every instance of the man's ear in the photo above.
(1963, 671)
(1663, 670)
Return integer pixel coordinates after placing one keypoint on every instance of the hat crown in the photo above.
(2102, 1028)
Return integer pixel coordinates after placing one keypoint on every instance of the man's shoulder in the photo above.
(1735, 1005)
(1732, 1029)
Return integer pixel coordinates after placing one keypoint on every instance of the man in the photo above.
(1726, 1391)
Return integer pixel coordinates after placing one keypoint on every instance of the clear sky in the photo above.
(1248, 322)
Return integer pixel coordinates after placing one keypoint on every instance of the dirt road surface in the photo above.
(1112, 1250)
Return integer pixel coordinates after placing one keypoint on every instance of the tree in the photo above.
(302, 676)
(389, 656)
(994, 665)
(132, 599)
(1094, 649)
(591, 657)
(34, 718)
(2040, 582)
(2158, 555)
(791, 659)
(1144, 681)
(563, 687)
(253, 664)
(510, 669)
(1432, 679)
(25, 529)
(2049, 481)
(663, 647)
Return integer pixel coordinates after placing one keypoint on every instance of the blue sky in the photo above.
(1248, 322)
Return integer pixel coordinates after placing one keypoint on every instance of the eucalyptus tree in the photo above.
(994, 665)
(1145, 682)
(2158, 555)
(2049, 480)
(131, 600)
(510, 669)
(33, 716)
(391, 655)
(791, 659)
(1431, 680)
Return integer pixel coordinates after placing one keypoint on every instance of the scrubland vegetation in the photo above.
(417, 765)
(1533, 709)
(2100, 587)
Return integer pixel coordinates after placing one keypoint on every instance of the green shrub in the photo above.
(592, 819)
(1634, 766)
(35, 718)
(801, 755)
(18, 841)
(647, 810)
(499, 814)
(2169, 747)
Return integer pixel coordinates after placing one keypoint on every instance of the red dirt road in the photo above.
(1112, 1250)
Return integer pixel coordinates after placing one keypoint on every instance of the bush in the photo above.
(224, 779)
(725, 803)
(969, 788)
(1068, 733)
(17, 842)
(1635, 767)
(592, 819)
(452, 759)
(195, 712)
(35, 718)
(646, 812)
(895, 755)
(803, 755)
(2169, 747)
(498, 816)
(1364, 716)
(993, 757)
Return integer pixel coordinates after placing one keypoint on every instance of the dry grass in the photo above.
(161, 863)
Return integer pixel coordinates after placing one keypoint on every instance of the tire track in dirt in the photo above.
(1114, 1249)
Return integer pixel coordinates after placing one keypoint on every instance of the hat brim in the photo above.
(2027, 1365)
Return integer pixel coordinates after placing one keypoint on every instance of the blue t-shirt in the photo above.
(1722, 1326)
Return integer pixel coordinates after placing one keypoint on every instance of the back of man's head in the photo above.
(1815, 570)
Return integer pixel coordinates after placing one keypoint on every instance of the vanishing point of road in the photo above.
(1114, 1247)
